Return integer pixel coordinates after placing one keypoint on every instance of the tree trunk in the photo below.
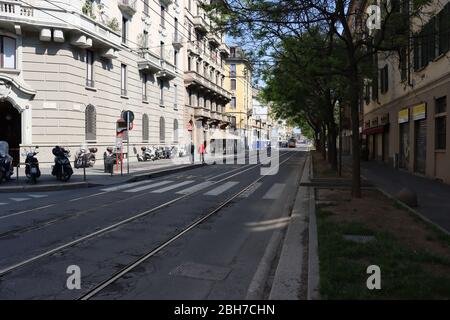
(324, 142)
(332, 148)
(356, 154)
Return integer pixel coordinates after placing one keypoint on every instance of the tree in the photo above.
(264, 23)
(301, 89)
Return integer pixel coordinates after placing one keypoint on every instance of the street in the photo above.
(196, 234)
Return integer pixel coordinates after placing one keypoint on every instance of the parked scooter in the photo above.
(62, 169)
(85, 157)
(6, 167)
(32, 166)
(147, 154)
(182, 152)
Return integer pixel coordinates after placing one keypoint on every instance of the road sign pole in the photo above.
(128, 145)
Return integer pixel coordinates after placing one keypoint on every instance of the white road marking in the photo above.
(3, 203)
(37, 195)
(126, 186)
(19, 199)
(149, 186)
(174, 186)
(250, 190)
(196, 188)
(22, 212)
(222, 188)
(275, 191)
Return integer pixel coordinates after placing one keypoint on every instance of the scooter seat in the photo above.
(93, 149)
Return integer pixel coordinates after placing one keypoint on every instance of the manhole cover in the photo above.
(200, 271)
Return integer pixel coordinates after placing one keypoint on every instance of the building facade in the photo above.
(405, 107)
(262, 122)
(239, 82)
(70, 68)
(206, 98)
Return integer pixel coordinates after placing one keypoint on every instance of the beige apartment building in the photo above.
(239, 82)
(204, 78)
(405, 109)
(69, 69)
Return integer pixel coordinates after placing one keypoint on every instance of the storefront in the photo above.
(376, 132)
(420, 137)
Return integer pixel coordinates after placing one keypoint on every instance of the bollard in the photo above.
(17, 174)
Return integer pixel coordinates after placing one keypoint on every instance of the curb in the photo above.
(291, 269)
(313, 245)
(413, 211)
(79, 185)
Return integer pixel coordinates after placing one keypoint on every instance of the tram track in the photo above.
(127, 269)
(99, 232)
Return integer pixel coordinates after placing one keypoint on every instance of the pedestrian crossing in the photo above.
(23, 198)
(206, 188)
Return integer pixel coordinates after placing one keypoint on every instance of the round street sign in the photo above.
(128, 116)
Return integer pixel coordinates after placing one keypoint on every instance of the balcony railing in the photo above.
(53, 17)
(214, 38)
(200, 24)
(128, 6)
(195, 77)
(177, 40)
(150, 62)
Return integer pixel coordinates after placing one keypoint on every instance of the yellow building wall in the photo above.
(243, 94)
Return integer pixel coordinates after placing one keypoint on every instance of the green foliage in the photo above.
(113, 24)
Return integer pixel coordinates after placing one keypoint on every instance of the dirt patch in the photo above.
(377, 212)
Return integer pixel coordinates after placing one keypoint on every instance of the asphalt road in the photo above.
(104, 229)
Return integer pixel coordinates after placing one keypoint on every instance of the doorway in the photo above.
(11, 129)
(420, 147)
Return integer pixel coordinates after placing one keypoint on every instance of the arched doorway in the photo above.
(11, 129)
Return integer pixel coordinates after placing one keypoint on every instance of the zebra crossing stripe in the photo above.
(37, 195)
(174, 186)
(275, 191)
(250, 190)
(221, 189)
(3, 203)
(19, 199)
(196, 188)
(149, 186)
(126, 186)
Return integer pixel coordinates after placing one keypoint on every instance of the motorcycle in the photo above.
(147, 154)
(6, 167)
(32, 166)
(62, 169)
(182, 152)
(85, 157)
(159, 154)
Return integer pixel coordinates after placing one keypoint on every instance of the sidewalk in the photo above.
(433, 196)
(96, 175)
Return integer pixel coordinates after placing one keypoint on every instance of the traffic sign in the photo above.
(128, 116)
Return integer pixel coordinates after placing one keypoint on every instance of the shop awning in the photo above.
(222, 135)
(376, 130)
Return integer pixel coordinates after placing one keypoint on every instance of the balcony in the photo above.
(167, 72)
(64, 22)
(214, 39)
(127, 6)
(200, 112)
(149, 62)
(200, 24)
(193, 48)
(192, 78)
(177, 40)
(224, 49)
